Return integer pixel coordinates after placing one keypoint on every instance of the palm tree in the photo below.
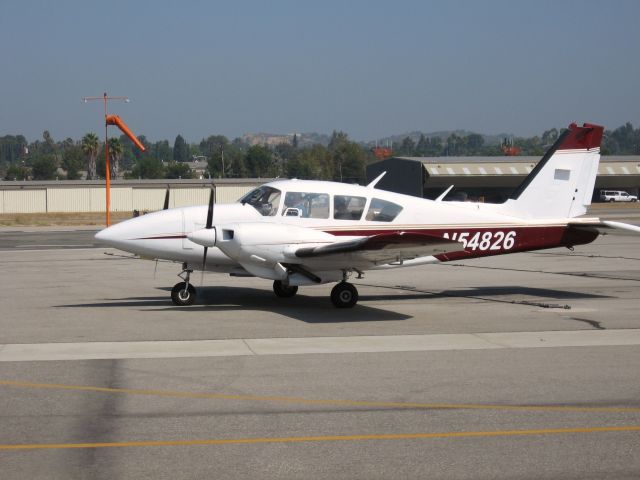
(115, 154)
(90, 144)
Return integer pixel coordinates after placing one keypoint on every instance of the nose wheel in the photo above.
(183, 293)
(344, 295)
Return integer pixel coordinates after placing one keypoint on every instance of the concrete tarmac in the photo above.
(519, 366)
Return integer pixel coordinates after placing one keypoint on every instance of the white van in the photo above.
(617, 196)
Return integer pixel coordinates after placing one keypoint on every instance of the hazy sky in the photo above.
(369, 68)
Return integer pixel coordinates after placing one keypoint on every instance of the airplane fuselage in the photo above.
(483, 229)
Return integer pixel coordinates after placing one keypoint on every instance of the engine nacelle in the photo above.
(266, 243)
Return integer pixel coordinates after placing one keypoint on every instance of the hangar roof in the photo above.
(479, 166)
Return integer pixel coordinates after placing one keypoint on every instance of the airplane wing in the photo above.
(384, 248)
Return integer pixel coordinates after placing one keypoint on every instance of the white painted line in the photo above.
(394, 343)
(113, 350)
(80, 245)
(315, 345)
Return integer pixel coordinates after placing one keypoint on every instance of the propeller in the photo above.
(209, 224)
(166, 199)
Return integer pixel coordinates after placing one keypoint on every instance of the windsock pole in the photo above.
(112, 120)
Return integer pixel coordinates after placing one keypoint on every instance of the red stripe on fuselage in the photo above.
(524, 238)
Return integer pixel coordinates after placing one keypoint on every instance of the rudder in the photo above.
(561, 184)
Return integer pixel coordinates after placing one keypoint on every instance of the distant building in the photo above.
(267, 139)
(489, 179)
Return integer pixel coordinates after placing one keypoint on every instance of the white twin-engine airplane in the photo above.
(298, 232)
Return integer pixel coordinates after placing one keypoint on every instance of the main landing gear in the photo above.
(284, 291)
(184, 293)
(344, 295)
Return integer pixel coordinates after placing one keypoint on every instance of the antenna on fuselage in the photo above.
(376, 180)
(443, 194)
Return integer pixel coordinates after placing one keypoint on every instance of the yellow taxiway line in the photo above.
(323, 438)
(309, 401)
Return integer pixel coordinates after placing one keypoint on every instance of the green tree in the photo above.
(17, 172)
(284, 153)
(550, 136)
(178, 170)
(337, 139)
(180, 150)
(161, 150)
(44, 167)
(407, 147)
(115, 154)
(12, 148)
(474, 143)
(90, 146)
(348, 158)
(259, 161)
(72, 162)
(147, 167)
(422, 147)
(234, 162)
(48, 146)
(313, 163)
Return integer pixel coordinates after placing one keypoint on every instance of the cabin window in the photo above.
(306, 205)
(382, 210)
(347, 207)
(264, 199)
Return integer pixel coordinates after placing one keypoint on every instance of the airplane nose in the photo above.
(105, 236)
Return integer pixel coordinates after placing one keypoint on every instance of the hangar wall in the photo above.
(79, 196)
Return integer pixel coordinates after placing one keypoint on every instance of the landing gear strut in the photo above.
(184, 293)
(284, 291)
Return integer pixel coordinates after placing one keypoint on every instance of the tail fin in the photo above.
(561, 184)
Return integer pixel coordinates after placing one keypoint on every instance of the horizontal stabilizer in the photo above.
(606, 227)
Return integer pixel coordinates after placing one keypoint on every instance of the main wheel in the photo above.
(344, 295)
(181, 296)
(284, 291)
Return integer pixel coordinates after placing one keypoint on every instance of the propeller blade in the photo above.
(210, 211)
(166, 199)
(204, 259)
(209, 225)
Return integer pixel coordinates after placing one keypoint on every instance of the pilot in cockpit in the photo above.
(296, 200)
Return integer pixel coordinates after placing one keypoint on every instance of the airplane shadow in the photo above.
(482, 292)
(226, 299)
(318, 309)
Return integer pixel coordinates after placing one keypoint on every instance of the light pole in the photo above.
(222, 150)
(107, 176)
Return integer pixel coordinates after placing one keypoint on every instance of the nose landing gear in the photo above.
(183, 293)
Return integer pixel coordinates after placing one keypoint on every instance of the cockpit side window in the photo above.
(347, 207)
(382, 210)
(264, 199)
(306, 205)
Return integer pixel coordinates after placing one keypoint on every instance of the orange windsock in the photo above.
(118, 122)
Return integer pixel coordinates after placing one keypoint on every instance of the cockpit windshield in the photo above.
(264, 199)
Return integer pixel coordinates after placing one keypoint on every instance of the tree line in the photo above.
(341, 160)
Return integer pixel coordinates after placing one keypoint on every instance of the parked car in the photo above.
(617, 196)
